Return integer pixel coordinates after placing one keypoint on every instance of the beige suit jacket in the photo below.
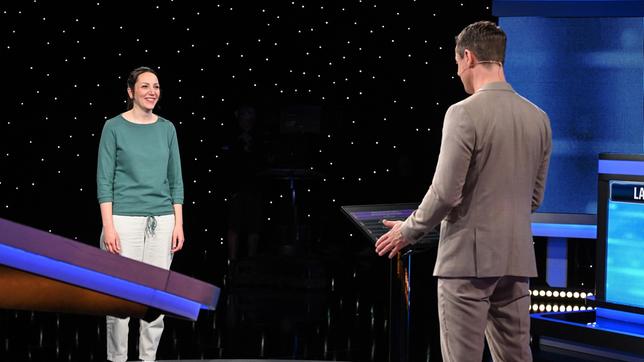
(490, 177)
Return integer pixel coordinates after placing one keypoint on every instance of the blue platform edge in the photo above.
(621, 167)
(564, 230)
(608, 320)
(89, 279)
(557, 8)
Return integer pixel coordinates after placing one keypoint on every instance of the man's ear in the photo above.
(469, 57)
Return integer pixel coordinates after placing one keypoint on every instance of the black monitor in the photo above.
(620, 232)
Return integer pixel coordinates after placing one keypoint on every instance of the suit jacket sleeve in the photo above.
(542, 173)
(446, 190)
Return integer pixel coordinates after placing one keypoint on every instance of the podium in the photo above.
(292, 176)
(614, 327)
(413, 322)
(40, 271)
(413, 315)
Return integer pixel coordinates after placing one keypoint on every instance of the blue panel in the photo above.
(89, 279)
(619, 315)
(619, 167)
(625, 254)
(620, 324)
(588, 75)
(565, 230)
(570, 8)
(557, 263)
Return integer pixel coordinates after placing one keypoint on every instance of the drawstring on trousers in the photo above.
(150, 226)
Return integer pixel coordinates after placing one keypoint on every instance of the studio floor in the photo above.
(272, 308)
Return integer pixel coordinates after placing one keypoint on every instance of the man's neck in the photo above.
(485, 76)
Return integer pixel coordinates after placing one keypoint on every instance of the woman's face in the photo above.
(146, 92)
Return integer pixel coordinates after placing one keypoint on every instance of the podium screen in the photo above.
(625, 244)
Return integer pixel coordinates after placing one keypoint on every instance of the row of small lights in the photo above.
(562, 294)
(558, 308)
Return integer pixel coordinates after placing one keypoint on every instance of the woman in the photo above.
(140, 192)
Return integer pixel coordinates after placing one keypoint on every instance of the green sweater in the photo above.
(139, 169)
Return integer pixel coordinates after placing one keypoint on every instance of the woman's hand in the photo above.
(177, 238)
(111, 240)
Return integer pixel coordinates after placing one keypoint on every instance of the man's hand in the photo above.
(392, 241)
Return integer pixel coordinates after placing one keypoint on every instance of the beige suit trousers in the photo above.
(497, 309)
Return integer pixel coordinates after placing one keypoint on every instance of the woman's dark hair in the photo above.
(131, 81)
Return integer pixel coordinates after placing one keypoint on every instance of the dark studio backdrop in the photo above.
(348, 97)
(352, 92)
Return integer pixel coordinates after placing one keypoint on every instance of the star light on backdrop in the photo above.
(381, 75)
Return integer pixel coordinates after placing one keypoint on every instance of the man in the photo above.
(490, 177)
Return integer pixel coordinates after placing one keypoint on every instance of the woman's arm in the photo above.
(175, 180)
(177, 233)
(106, 166)
(110, 236)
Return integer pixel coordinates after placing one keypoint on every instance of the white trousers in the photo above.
(146, 239)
